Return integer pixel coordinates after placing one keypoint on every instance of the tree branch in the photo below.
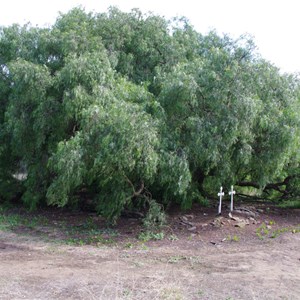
(270, 186)
(138, 192)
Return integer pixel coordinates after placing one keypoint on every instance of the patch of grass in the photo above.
(74, 242)
(100, 240)
(192, 261)
(177, 258)
(55, 250)
(146, 236)
(10, 221)
(138, 264)
(263, 231)
(83, 234)
(89, 224)
(89, 232)
(279, 231)
(171, 293)
(126, 293)
(293, 204)
(88, 237)
(88, 240)
(200, 293)
(33, 222)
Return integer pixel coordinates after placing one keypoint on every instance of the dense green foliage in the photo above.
(124, 108)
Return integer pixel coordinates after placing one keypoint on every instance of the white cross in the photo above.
(231, 193)
(220, 194)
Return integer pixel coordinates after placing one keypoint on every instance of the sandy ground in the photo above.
(199, 265)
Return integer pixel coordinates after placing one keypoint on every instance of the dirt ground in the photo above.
(252, 254)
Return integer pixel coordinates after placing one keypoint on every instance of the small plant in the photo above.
(191, 237)
(144, 236)
(129, 245)
(144, 247)
(155, 217)
(158, 236)
(296, 230)
(126, 293)
(234, 238)
(173, 238)
(262, 231)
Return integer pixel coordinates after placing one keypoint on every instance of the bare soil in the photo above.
(252, 254)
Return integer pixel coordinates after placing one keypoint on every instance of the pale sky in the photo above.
(274, 24)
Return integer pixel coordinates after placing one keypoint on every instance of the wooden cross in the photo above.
(220, 194)
(231, 193)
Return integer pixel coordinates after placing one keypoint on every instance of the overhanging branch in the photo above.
(278, 186)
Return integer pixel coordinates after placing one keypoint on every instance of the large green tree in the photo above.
(121, 108)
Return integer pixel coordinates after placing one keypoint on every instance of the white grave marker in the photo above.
(231, 193)
(220, 194)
